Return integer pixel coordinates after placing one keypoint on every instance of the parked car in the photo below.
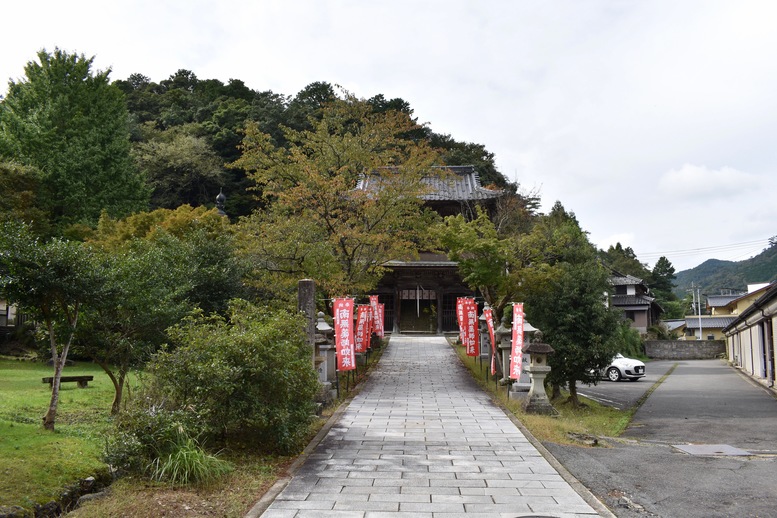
(624, 368)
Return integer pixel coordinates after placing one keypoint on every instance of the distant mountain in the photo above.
(715, 276)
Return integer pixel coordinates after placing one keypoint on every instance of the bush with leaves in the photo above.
(250, 373)
(152, 439)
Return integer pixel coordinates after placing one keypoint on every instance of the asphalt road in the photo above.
(625, 394)
(705, 403)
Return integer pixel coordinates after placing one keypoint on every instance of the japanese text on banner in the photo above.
(344, 336)
(377, 315)
(363, 328)
(460, 317)
(489, 315)
(471, 327)
(516, 353)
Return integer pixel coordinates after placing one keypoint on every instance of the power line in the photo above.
(707, 249)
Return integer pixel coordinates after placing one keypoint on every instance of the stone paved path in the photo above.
(422, 440)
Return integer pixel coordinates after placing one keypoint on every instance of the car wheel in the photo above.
(613, 374)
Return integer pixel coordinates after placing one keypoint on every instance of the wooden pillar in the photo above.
(397, 308)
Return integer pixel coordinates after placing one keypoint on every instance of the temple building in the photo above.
(420, 295)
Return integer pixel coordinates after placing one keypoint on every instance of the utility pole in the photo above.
(696, 294)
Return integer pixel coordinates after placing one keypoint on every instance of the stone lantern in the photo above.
(484, 338)
(325, 357)
(537, 401)
(503, 335)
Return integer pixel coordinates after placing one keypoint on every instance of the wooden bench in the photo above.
(82, 381)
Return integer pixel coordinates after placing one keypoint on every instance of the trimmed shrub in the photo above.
(250, 373)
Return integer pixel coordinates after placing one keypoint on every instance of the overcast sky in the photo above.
(655, 122)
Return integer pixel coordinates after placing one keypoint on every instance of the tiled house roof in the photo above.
(461, 184)
(620, 279)
(719, 301)
(709, 322)
(626, 301)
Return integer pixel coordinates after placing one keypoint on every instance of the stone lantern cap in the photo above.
(538, 348)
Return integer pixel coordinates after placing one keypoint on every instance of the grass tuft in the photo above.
(188, 464)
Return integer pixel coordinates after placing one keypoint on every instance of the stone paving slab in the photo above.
(421, 440)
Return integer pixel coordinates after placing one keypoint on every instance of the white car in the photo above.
(624, 368)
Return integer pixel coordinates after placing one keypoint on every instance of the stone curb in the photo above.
(579, 488)
(269, 496)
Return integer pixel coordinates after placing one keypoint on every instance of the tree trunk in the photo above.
(51, 414)
(555, 391)
(573, 394)
(117, 384)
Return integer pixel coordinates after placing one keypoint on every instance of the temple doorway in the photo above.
(418, 311)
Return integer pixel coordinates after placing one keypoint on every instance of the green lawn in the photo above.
(35, 465)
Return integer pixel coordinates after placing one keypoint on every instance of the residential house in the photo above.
(632, 296)
(750, 337)
(705, 327)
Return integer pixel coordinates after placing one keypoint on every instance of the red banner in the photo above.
(489, 316)
(460, 317)
(470, 328)
(344, 338)
(364, 322)
(516, 354)
(377, 315)
(381, 313)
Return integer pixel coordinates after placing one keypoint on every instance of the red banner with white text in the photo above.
(516, 354)
(460, 317)
(377, 315)
(489, 316)
(364, 322)
(470, 327)
(344, 336)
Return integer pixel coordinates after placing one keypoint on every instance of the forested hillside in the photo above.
(714, 276)
(186, 131)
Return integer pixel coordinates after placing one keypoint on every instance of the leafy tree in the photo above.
(565, 290)
(308, 105)
(624, 260)
(51, 281)
(20, 186)
(454, 152)
(199, 242)
(72, 125)
(662, 277)
(312, 182)
(159, 267)
(487, 262)
(181, 168)
(146, 288)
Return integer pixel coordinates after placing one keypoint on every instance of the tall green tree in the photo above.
(146, 288)
(565, 293)
(181, 169)
(51, 281)
(625, 261)
(487, 262)
(313, 182)
(72, 125)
